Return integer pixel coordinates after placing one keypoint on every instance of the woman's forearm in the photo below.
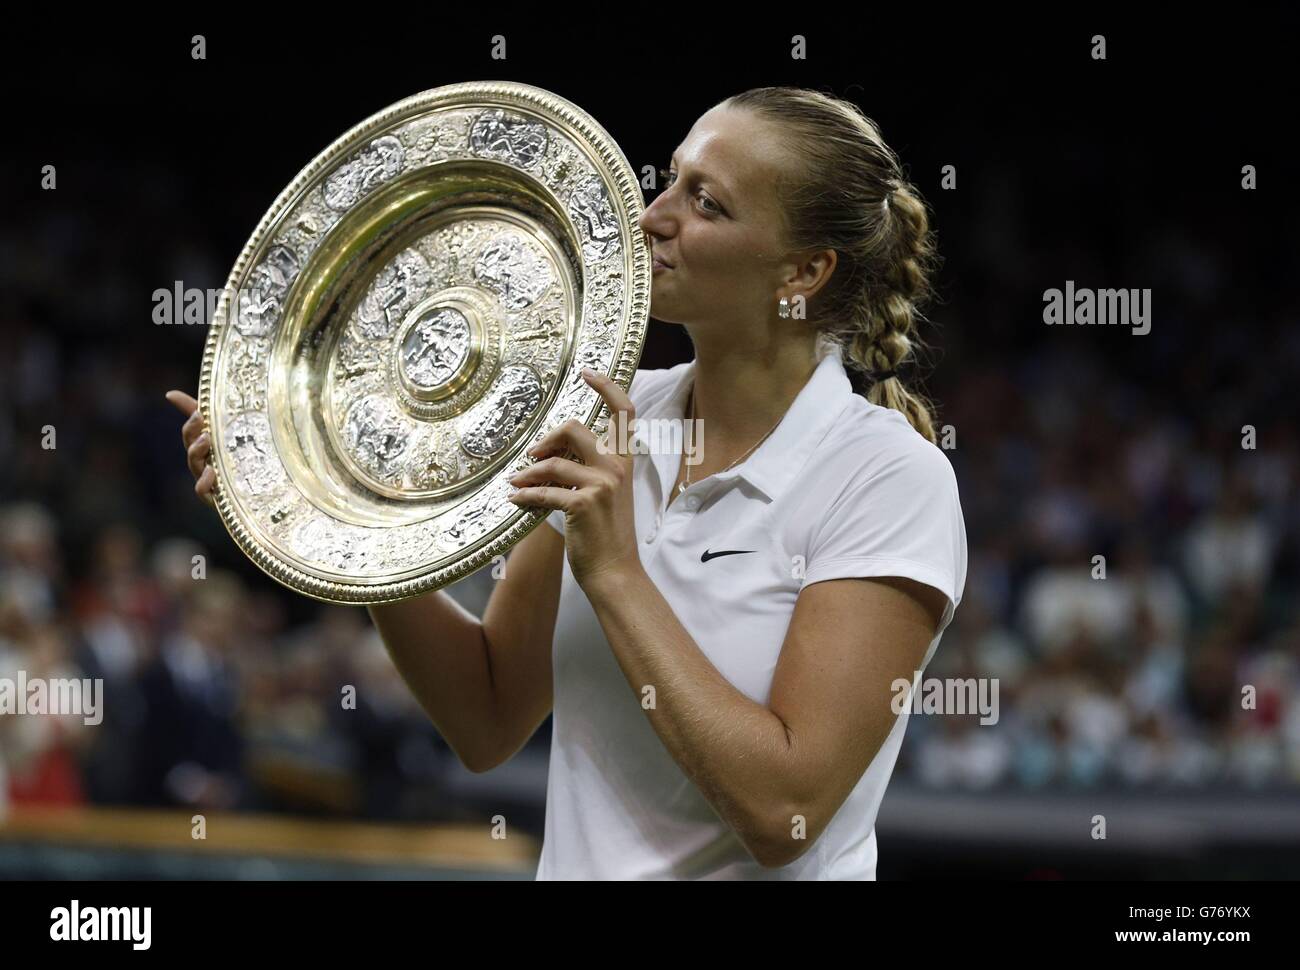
(441, 652)
(734, 749)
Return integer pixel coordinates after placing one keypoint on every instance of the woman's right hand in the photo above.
(197, 443)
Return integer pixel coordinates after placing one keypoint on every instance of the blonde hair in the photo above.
(850, 195)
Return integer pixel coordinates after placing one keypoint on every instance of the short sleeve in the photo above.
(903, 518)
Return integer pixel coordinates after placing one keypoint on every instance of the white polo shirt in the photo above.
(849, 486)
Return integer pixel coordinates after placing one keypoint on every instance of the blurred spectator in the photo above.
(1228, 545)
(193, 754)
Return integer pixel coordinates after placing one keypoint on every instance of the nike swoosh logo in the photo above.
(706, 556)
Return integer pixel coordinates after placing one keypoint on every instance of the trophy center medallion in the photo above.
(436, 348)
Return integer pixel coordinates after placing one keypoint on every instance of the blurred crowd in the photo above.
(212, 698)
(1134, 556)
(1170, 661)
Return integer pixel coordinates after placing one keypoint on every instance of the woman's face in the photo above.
(718, 225)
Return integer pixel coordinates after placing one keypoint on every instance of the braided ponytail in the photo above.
(883, 321)
(853, 198)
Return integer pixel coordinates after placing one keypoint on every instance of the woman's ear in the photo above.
(812, 272)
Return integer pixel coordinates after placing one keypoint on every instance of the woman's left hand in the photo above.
(595, 495)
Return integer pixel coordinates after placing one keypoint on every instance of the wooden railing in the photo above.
(435, 846)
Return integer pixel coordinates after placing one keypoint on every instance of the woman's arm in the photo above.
(485, 685)
(829, 711)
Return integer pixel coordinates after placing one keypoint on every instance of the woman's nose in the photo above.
(653, 219)
(652, 222)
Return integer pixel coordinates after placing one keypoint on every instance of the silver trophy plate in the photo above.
(410, 317)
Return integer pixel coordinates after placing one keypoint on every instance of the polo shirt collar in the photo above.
(773, 466)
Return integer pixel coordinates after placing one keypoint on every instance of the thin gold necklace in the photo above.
(687, 484)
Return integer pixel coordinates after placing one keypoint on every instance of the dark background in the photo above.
(1071, 442)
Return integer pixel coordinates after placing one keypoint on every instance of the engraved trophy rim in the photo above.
(629, 262)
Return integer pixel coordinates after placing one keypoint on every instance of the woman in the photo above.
(724, 643)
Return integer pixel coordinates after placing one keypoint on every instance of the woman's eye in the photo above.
(670, 177)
